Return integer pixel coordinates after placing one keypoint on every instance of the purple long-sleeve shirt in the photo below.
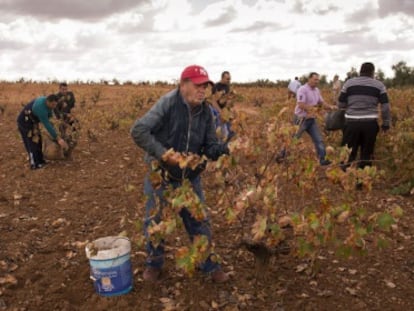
(309, 96)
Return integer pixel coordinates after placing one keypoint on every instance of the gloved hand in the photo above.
(385, 128)
(226, 149)
(230, 136)
(201, 167)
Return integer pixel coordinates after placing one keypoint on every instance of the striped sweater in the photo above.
(360, 97)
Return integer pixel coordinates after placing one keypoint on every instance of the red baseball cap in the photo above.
(197, 75)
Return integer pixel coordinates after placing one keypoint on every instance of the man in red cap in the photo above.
(180, 120)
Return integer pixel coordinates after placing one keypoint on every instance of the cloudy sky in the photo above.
(143, 40)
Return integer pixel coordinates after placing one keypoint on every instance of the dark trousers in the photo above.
(33, 146)
(360, 134)
(194, 227)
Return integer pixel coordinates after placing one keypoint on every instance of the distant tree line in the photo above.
(403, 77)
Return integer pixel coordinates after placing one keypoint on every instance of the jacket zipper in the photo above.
(188, 137)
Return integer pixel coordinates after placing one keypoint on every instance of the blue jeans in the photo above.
(310, 126)
(193, 227)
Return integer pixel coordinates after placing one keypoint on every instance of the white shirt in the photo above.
(294, 85)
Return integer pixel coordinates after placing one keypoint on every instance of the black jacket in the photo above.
(170, 123)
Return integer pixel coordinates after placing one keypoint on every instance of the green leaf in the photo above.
(178, 202)
(361, 231)
(170, 226)
(382, 243)
(230, 215)
(385, 221)
(183, 260)
(397, 212)
(344, 251)
(274, 229)
(296, 218)
(304, 247)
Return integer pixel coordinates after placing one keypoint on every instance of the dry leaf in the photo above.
(285, 221)
(302, 267)
(351, 291)
(390, 284)
(123, 234)
(8, 279)
(59, 222)
(70, 254)
(343, 217)
(79, 244)
(3, 265)
(17, 196)
(168, 304)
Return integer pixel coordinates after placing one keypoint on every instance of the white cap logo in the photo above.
(203, 72)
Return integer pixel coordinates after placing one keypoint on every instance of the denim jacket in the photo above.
(171, 123)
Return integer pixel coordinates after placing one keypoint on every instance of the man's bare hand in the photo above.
(62, 143)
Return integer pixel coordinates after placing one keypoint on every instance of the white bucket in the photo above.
(109, 258)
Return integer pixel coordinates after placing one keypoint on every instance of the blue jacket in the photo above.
(170, 123)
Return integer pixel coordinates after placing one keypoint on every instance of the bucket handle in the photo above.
(119, 238)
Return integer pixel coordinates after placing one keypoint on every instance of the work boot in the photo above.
(324, 162)
(343, 166)
(37, 166)
(219, 276)
(151, 274)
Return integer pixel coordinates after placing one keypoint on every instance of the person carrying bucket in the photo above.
(183, 121)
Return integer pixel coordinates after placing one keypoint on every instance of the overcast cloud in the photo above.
(154, 40)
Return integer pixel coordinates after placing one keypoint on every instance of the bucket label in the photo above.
(113, 280)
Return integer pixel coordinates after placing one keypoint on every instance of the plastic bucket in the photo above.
(109, 258)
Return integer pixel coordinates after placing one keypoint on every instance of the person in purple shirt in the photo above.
(308, 100)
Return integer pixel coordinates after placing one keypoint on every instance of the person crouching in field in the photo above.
(180, 120)
(37, 111)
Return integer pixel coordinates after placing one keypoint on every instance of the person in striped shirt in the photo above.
(360, 96)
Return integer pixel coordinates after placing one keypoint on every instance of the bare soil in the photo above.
(47, 215)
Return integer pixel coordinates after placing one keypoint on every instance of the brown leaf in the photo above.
(351, 291)
(285, 221)
(342, 217)
(214, 305)
(58, 222)
(79, 244)
(259, 227)
(8, 279)
(168, 304)
(390, 284)
(17, 196)
(70, 254)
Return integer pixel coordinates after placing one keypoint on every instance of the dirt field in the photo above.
(47, 215)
